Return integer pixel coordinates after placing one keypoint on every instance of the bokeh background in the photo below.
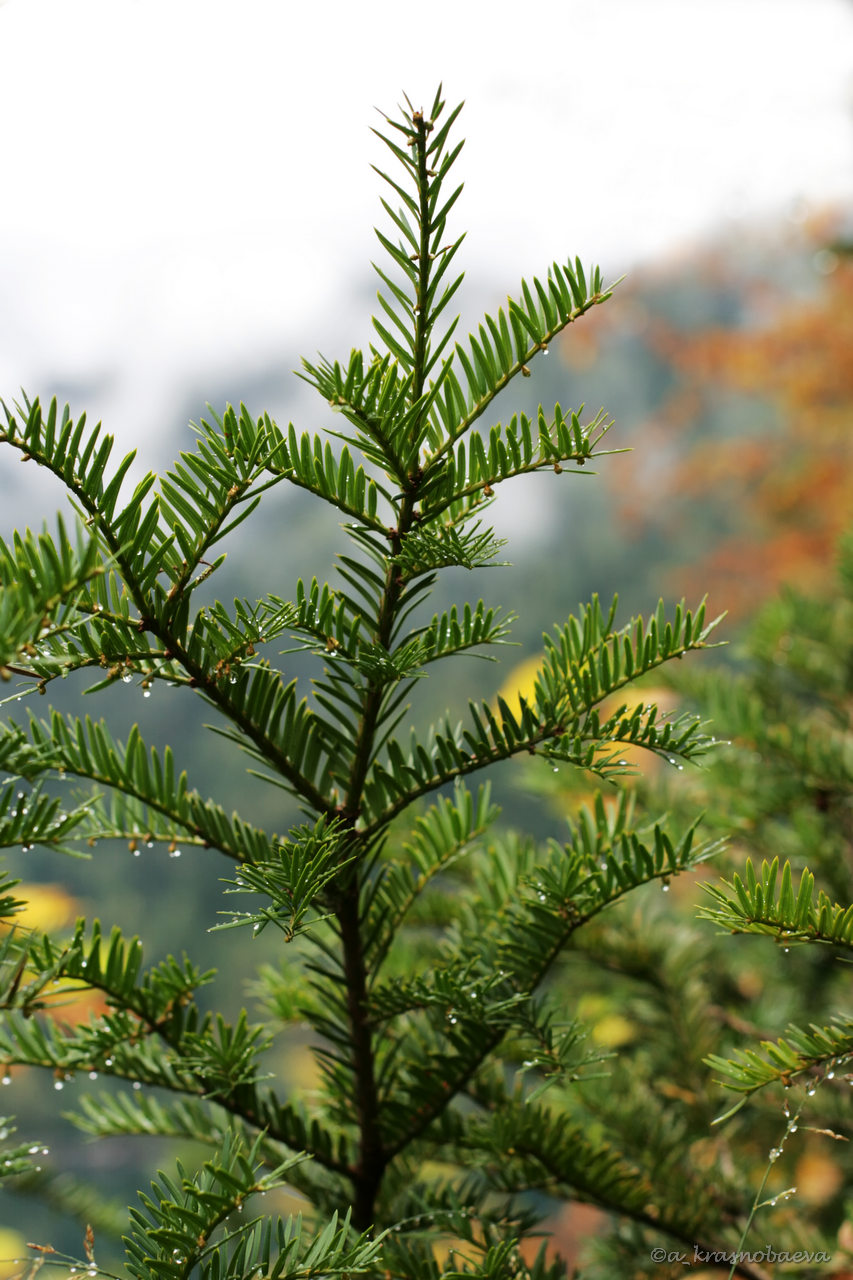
(187, 208)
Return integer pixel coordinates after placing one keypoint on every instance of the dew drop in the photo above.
(830, 1075)
(137, 1085)
(126, 679)
(174, 853)
(58, 1084)
(93, 1075)
(811, 1091)
(146, 693)
(775, 1153)
(665, 888)
(108, 1062)
(7, 1079)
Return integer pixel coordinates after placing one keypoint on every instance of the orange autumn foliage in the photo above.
(756, 437)
(795, 484)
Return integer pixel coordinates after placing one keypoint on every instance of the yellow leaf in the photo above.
(613, 1030)
(817, 1177)
(12, 1247)
(49, 907)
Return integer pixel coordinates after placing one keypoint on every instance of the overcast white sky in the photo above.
(186, 183)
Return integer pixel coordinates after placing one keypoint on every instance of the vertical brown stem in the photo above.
(373, 1156)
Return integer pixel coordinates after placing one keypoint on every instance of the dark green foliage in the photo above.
(791, 717)
(424, 945)
(767, 1010)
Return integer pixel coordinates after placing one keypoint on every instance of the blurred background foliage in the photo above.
(735, 362)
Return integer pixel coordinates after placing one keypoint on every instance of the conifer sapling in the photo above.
(417, 940)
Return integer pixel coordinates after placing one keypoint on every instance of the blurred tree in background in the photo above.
(753, 478)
